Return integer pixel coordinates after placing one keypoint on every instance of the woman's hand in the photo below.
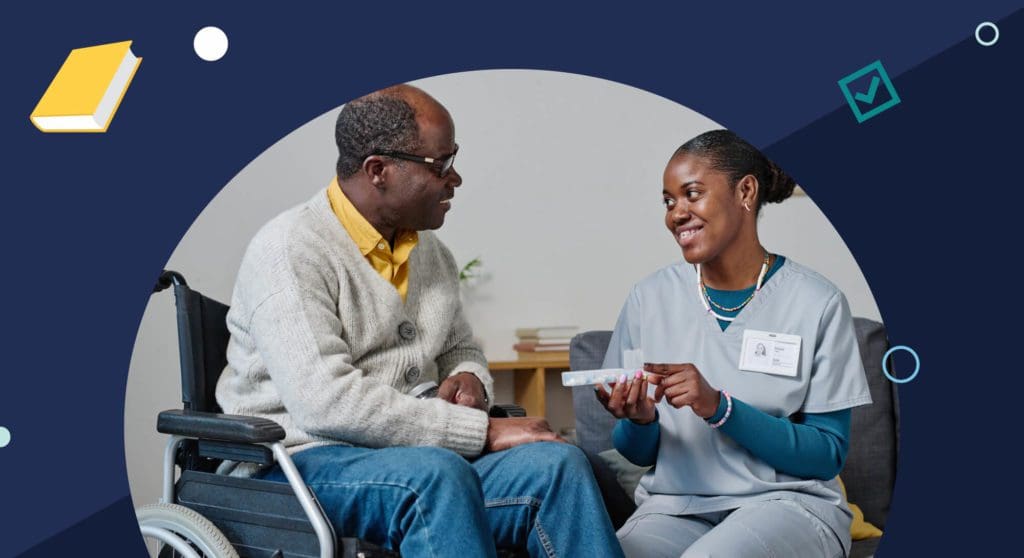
(629, 399)
(683, 385)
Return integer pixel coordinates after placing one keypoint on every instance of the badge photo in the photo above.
(771, 353)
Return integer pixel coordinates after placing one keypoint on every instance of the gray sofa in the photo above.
(870, 469)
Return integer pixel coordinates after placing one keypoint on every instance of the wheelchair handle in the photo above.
(168, 278)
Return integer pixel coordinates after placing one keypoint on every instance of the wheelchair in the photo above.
(203, 514)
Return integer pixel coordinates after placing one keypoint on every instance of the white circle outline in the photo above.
(977, 33)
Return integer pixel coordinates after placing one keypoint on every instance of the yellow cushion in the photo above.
(859, 529)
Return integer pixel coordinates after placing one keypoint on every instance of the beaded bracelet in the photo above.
(728, 410)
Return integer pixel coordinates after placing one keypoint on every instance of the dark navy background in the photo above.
(926, 195)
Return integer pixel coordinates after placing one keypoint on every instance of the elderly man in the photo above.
(342, 307)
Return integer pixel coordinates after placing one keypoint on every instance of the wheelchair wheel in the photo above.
(188, 530)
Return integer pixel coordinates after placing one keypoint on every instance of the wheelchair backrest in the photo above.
(202, 345)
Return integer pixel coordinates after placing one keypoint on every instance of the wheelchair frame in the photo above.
(198, 435)
(223, 431)
(322, 527)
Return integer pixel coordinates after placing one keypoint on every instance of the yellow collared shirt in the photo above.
(392, 265)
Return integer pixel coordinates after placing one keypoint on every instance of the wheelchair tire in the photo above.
(192, 527)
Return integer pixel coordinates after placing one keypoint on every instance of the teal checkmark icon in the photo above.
(869, 97)
(879, 78)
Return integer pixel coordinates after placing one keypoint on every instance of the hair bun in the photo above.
(781, 186)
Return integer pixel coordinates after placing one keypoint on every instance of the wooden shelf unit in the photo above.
(528, 378)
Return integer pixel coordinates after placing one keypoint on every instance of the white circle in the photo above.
(977, 33)
(5, 437)
(210, 43)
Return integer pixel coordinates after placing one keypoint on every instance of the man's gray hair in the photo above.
(376, 123)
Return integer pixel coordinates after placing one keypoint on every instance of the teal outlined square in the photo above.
(856, 99)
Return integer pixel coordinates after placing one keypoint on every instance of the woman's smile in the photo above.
(688, 235)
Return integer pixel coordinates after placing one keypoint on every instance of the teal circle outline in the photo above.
(917, 364)
(5, 437)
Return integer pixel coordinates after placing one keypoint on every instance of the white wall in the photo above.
(561, 199)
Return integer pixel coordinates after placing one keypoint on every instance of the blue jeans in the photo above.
(426, 501)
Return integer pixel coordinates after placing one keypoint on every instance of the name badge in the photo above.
(771, 353)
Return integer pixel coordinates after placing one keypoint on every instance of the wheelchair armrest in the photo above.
(505, 411)
(215, 426)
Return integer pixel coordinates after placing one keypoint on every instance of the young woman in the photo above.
(755, 367)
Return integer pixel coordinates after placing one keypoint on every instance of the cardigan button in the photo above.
(412, 374)
(407, 331)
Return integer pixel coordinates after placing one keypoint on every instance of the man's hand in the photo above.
(683, 385)
(504, 433)
(628, 399)
(463, 388)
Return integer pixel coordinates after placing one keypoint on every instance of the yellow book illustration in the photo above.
(85, 93)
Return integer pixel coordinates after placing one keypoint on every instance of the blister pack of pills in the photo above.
(594, 377)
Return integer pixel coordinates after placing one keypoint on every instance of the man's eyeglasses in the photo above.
(441, 166)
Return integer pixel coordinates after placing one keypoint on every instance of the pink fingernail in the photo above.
(622, 379)
(639, 374)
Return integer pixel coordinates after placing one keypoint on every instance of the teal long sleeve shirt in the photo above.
(815, 447)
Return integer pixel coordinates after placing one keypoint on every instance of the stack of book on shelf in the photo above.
(544, 343)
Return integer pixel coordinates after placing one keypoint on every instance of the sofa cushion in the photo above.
(593, 423)
(870, 470)
(864, 548)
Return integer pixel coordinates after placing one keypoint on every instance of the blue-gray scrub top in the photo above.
(700, 469)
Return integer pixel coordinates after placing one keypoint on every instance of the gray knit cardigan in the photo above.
(324, 346)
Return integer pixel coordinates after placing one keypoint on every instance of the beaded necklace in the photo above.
(706, 299)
